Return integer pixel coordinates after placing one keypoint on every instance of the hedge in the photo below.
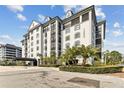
(93, 70)
(49, 65)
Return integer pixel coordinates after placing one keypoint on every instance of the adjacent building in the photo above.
(56, 35)
(9, 51)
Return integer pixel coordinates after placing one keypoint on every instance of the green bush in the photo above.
(49, 65)
(93, 70)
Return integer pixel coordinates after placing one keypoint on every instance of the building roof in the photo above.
(10, 46)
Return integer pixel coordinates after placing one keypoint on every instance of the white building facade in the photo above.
(9, 51)
(55, 35)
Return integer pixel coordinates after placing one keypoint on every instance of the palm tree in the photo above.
(88, 51)
(69, 55)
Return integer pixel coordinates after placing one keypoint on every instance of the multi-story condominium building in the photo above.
(9, 51)
(55, 35)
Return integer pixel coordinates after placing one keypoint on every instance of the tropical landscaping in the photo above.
(68, 61)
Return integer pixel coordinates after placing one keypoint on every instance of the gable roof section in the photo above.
(34, 25)
(79, 13)
(52, 20)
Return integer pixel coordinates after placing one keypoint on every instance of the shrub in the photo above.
(93, 70)
(49, 65)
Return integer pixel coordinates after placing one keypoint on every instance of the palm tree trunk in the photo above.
(84, 61)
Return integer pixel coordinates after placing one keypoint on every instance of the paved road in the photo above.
(52, 78)
(34, 78)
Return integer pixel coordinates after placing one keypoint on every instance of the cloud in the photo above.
(21, 17)
(76, 8)
(116, 25)
(69, 7)
(114, 45)
(99, 12)
(117, 33)
(107, 30)
(52, 6)
(15, 8)
(5, 37)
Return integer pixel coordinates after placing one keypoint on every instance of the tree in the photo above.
(88, 51)
(69, 55)
(113, 57)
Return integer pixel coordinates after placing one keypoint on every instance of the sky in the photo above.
(15, 20)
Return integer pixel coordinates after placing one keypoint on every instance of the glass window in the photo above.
(77, 35)
(67, 38)
(31, 55)
(37, 36)
(77, 43)
(67, 45)
(31, 32)
(31, 49)
(31, 43)
(75, 21)
(45, 41)
(37, 29)
(77, 27)
(46, 34)
(45, 47)
(37, 48)
(32, 38)
(85, 17)
(67, 30)
(67, 25)
(37, 41)
(53, 26)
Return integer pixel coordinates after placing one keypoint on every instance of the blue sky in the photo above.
(14, 21)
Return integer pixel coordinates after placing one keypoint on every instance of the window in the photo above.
(37, 48)
(37, 36)
(31, 49)
(45, 54)
(67, 30)
(37, 41)
(31, 32)
(37, 29)
(31, 55)
(31, 43)
(46, 34)
(53, 26)
(83, 33)
(45, 41)
(67, 45)
(77, 35)
(32, 38)
(67, 38)
(85, 17)
(67, 25)
(45, 29)
(77, 43)
(75, 21)
(77, 27)
(45, 47)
